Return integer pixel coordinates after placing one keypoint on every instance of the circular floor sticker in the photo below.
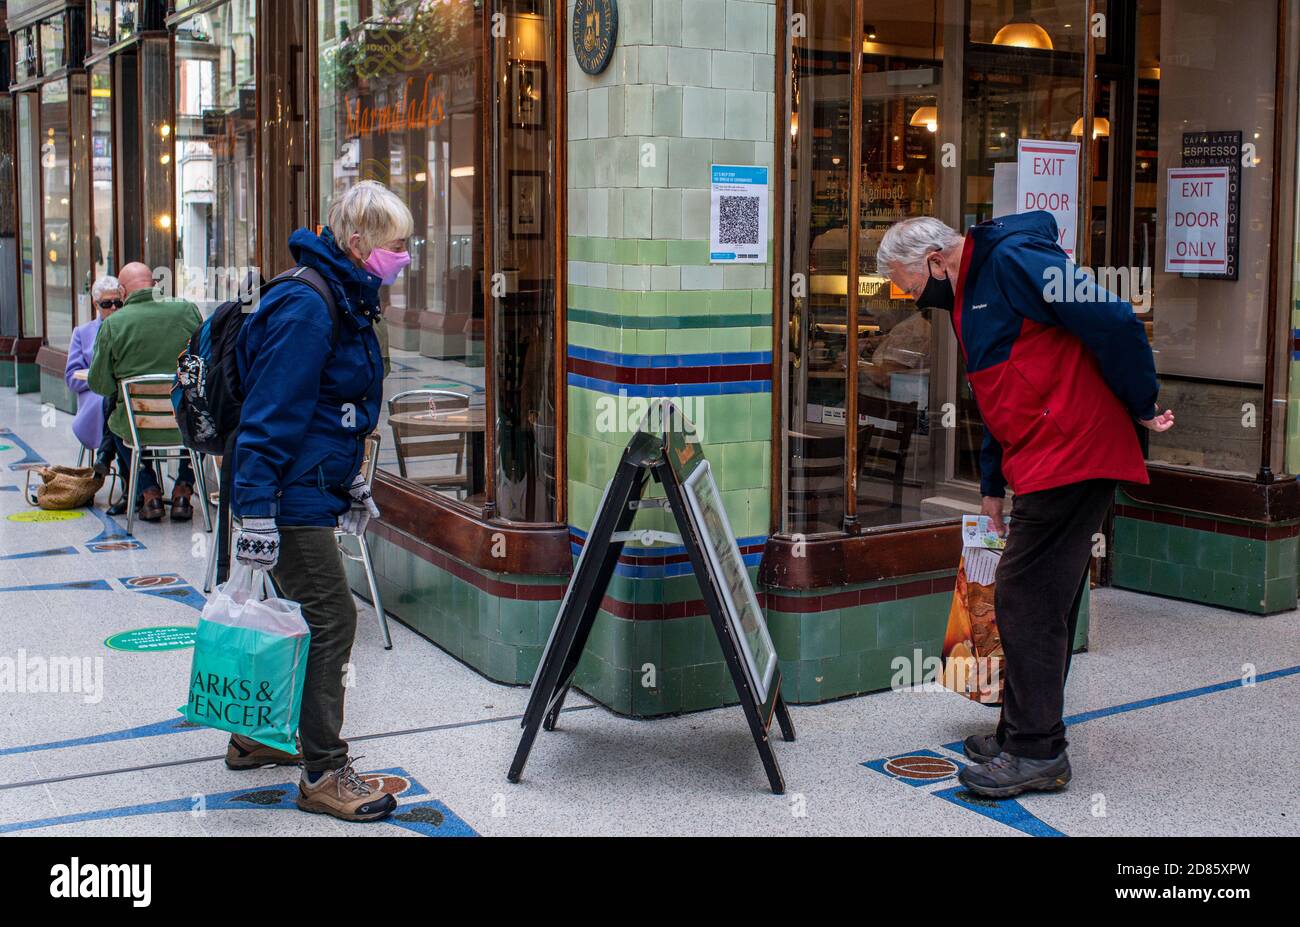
(41, 515)
(142, 640)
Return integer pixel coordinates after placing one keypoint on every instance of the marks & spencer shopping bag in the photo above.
(250, 660)
(972, 648)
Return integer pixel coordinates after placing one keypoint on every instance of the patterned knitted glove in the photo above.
(360, 494)
(257, 543)
(355, 519)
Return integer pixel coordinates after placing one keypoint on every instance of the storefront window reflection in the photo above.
(400, 104)
(942, 104)
(215, 151)
(103, 252)
(56, 214)
(101, 22)
(29, 210)
(524, 237)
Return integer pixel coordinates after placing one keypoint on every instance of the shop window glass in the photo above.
(817, 239)
(524, 243)
(933, 89)
(29, 208)
(400, 103)
(215, 152)
(158, 151)
(56, 212)
(1209, 72)
(103, 252)
(82, 194)
(9, 305)
(25, 62)
(101, 22)
(51, 45)
(127, 22)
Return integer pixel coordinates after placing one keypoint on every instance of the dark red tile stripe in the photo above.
(663, 376)
(533, 592)
(1255, 532)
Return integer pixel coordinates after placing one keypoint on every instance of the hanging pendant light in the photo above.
(1023, 32)
(1100, 127)
(927, 116)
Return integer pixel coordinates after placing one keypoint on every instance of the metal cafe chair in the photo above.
(368, 467)
(410, 444)
(214, 499)
(147, 400)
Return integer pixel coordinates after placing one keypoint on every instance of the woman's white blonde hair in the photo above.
(371, 211)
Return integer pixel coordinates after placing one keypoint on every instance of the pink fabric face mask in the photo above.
(387, 265)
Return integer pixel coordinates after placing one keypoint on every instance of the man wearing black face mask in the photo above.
(1060, 373)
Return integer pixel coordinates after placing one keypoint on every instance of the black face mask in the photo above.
(937, 293)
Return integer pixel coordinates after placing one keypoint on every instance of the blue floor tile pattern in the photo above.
(926, 768)
(428, 818)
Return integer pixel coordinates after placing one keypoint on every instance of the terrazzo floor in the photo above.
(1183, 721)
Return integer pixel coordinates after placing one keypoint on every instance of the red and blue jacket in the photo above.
(1060, 367)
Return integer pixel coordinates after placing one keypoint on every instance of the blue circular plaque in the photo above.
(595, 29)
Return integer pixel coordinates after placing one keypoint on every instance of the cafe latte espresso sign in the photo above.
(595, 28)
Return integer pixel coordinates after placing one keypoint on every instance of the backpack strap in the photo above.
(313, 278)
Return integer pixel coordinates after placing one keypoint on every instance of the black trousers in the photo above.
(1040, 583)
(310, 572)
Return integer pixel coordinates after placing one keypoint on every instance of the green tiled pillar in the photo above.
(690, 85)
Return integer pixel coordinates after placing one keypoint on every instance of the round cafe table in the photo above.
(471, 421)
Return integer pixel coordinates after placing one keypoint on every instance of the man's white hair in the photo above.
(908, 242)
(373, 212)
(103, 285)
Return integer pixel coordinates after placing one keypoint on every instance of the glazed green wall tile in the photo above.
(1204, 566)
(27, 378)
(501, 638)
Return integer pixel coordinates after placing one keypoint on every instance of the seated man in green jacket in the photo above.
(145, 336)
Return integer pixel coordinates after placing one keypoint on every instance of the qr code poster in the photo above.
(738, 215)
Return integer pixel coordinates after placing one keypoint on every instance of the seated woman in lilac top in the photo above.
(88, 425)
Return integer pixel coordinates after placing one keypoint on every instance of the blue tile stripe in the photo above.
(723, 359)
(734, 388)
(664, 570)
(1162, 699)
(1010, 811)
(170, 726)
(278, 797)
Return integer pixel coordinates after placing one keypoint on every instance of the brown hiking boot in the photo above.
(341, 793)
(182, 508)
(151, 508)
(245, 753)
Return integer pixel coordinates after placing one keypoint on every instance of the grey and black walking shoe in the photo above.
(1006, 775)
(981, 747)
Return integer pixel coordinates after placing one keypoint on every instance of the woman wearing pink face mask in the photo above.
(313, 380)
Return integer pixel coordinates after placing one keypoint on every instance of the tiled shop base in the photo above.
(1226, 562)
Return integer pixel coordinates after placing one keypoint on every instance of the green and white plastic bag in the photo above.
(250, 660)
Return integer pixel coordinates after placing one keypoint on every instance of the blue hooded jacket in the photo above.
(309, 401)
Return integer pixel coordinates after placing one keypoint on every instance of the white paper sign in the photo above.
(1047, 178)
(1196, 220)
(738, 215)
